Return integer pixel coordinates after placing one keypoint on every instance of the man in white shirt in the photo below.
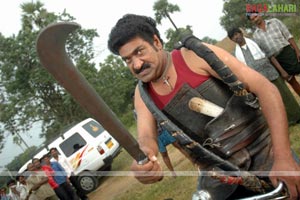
(23, 189)
(13, 192)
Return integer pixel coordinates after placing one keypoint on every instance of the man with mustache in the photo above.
(38, 184)
(172, 77)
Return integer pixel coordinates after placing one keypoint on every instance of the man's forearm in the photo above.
(148, 142)
(274, 111)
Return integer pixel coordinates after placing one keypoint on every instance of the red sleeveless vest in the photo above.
(184, 75)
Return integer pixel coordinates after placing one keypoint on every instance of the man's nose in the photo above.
(137, 63)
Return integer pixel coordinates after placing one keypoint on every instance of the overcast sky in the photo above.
(203, 16)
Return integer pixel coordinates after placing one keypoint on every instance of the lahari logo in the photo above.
(283, 8)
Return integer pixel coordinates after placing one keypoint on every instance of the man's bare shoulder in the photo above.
(194, 62)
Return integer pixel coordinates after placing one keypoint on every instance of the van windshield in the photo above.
(93, 128)
(72, 144)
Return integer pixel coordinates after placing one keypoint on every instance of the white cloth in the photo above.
(22, 190)
(12, 195)
(256, 52)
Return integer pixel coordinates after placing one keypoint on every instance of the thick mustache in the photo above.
(144, 66)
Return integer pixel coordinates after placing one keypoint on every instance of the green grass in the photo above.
(123, 160)
(295, 138)
(295, 130)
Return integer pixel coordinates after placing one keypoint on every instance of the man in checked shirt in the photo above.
(280, 44)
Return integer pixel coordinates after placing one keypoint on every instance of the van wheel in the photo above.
(87, 182)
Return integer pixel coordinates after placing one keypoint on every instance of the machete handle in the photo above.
(51, 51)
(205, 107)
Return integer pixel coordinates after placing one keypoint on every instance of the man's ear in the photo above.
(157, 43)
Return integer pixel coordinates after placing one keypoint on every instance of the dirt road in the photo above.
(112, 187)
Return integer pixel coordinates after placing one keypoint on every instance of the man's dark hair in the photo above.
(10, 182)
(129, 27)
(232, 31)
(19, 175)
(33, 159)
(47, 155)
(53, 148)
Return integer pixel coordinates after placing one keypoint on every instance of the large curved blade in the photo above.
(52, 54)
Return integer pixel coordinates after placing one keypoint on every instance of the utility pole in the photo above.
(23, 141)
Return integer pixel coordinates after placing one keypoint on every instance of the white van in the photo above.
(89, 148)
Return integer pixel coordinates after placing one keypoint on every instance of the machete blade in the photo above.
(51, 50)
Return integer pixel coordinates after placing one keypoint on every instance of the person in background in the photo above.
(164, 139)
(50, 173)
(248, 52)
(13, 193)
(25, 193)
(65, 190)
(69, 170)
(38, 184)
(3, 194)
(280, 43)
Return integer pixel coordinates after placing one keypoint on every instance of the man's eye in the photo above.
(126, 60)
(140, 52)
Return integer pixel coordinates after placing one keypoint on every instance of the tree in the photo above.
(16, 164)
(209, 40)
(30, 92)
(21, 159)
(116, 86)
(163, 9)
(235, 15)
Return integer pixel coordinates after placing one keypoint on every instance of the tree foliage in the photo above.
(21, 159)
(162, 10)
(209, 40)
(30, 92)
(17, 163)
(32, 95)
(234, 15)
(116, 86)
